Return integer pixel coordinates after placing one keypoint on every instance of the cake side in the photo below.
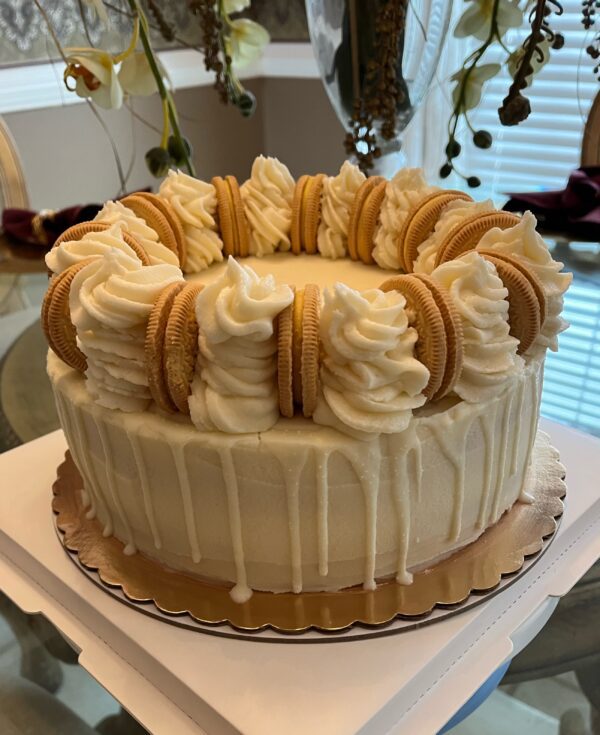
(301, 507)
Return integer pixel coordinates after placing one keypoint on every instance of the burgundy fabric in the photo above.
(16, 223)
(574, 211)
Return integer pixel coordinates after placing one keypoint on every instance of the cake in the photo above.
(344, 389)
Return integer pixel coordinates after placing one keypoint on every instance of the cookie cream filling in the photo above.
(110, 301)
(267, 198)
(338, 196)
(116, 213)
(453, 214)
(523, 242)
(91, 245)
(235, 387)
(489, 352)
(370, 378)
(404, 191)
(195, 203)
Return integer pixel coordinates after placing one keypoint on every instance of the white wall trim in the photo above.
(37, 86)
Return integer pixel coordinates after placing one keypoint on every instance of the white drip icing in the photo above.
(322, 488)
(457, 458)
(130, 547)
(418, 464)
(241, 592)
(367, 468)
(73, 440)
(143, 475)
(501, 460)
(524, 496)
(517, 426)
(488, 425)
(399, 452)
(292, 469)
(186, 500)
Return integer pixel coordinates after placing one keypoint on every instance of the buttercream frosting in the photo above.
(523, 242)
(267, 197)
(404, 191)
(110, 301)
(91, 245)
(370, 378)
(235, 387)
(195, 203)
(337, 198)
(117, 213)
(489, 352)
(452, 214)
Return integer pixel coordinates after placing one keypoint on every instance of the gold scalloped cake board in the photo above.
(477, 568)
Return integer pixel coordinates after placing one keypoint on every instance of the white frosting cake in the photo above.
(380, 481)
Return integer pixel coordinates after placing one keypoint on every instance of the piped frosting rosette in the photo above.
(110, 300)
(115, 213)
(195, 203)
(337, 198)
(525, 243)
(403, 192)
(370, 378)
(267, 197)
(235, 387)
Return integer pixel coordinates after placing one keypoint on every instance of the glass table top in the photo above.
(43, 690)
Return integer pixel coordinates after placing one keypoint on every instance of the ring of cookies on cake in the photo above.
(473, 300)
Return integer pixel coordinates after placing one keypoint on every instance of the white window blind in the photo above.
(539, 153)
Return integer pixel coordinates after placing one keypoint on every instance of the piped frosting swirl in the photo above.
(235, 387)
(337, 199)
(195, 204)
(370, 377)
(267, 197)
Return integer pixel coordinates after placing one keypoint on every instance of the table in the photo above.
(174, 680)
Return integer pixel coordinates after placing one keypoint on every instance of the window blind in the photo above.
(539, 153)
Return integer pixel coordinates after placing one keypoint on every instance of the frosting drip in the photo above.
(235, 388)
(489, 352)
(91, 245)
(453, 214)
(110, 301)
(523, 242)
(195, 203)
(371, 380)
(404, 191)
(336, 202)
(116, 213)
(267, 197)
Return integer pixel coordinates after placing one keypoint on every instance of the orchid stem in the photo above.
(162, 90)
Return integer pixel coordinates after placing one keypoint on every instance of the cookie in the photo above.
(154, 218)
(232, 219)
(424, 314)
(284, 329)
(420, 223)
(56, 318)
(465, 236)
(360, 199)
(368, 222)
(76, 232)
(523, 307)
(528, 273)
(310, 348)
(154, 346)
(181, 345)
(454, 334)
(171, 216)
(306, 213)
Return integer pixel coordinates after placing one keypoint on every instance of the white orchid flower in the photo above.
(95, 76)
(477, 18)
(136, 77)
(473, 85)
(514, 60)
(246, 41)
(235, 6)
